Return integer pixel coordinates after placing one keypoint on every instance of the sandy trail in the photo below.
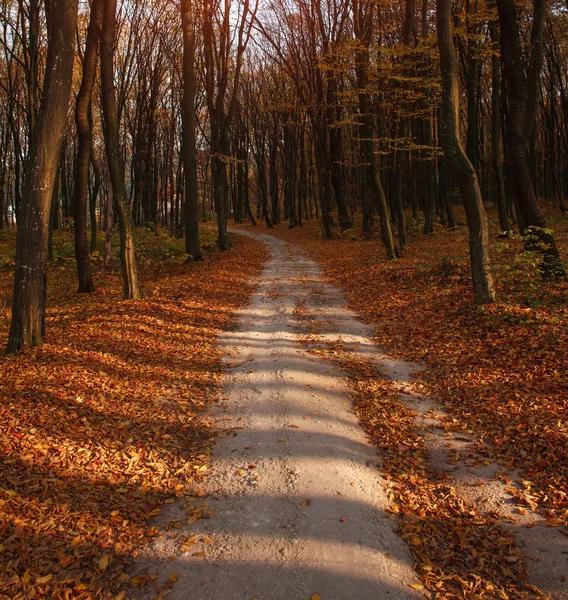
(299, 507)
(299, 504)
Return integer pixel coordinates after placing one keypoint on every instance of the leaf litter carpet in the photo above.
(301, 504)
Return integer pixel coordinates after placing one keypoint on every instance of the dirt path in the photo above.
(299, 508)
(294, 502)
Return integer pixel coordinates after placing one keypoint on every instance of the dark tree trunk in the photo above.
(472, 89)
(192, 243)
(115, 167)
(263, 188)
(28, 305)
(324, 191)
(108, 224)
(53, 216)
(363, 15)
(219, 179)
(93, 201)
(501, 198)
(520, 120)
(461, 167)
(84, 148)
(274, 200)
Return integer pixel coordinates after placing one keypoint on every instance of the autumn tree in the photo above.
(520, 121)
(459, 163)
(30, 280)
(84, 147)
(227, 30)
(115, 166)
(192, 244)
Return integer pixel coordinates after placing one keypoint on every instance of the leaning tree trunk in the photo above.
(192, 244)
(458, 162)
(116, 172)
(521, 113)
(84, 148)
(28, 304)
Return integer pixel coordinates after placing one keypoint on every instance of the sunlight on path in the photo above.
(299, 506)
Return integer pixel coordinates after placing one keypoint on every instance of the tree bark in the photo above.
(458, 162)
(115, 167)
(501, 200)
(84, 148)
(520, 121)
(93, 201)
(192, 243)
(28, 305)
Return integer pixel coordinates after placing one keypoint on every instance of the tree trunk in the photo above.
(84, 148)
(93, 202)
(192, 244)
(521, 110)
(501, 200)
(274, 200)
(324, 191)
(109, 222)
(219, 177)
(28, 304)
(461, 167)
(115, 167)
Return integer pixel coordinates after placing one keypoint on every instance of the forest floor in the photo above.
(300, 507)
(104, 423)
(432, 464)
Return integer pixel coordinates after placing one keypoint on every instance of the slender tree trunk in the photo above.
(109, 222)
(53, 216)
(192, 244)
(3, 169)
(93, 201)
(115, 167)
(219, 178)
(427, 168)
(458, 162)
(501, 200)
(472, 88)
(335, 153)
(28, 305)
(274, 200)
(84, 148)
(398, 200)
(263, 187)
(324, 191)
